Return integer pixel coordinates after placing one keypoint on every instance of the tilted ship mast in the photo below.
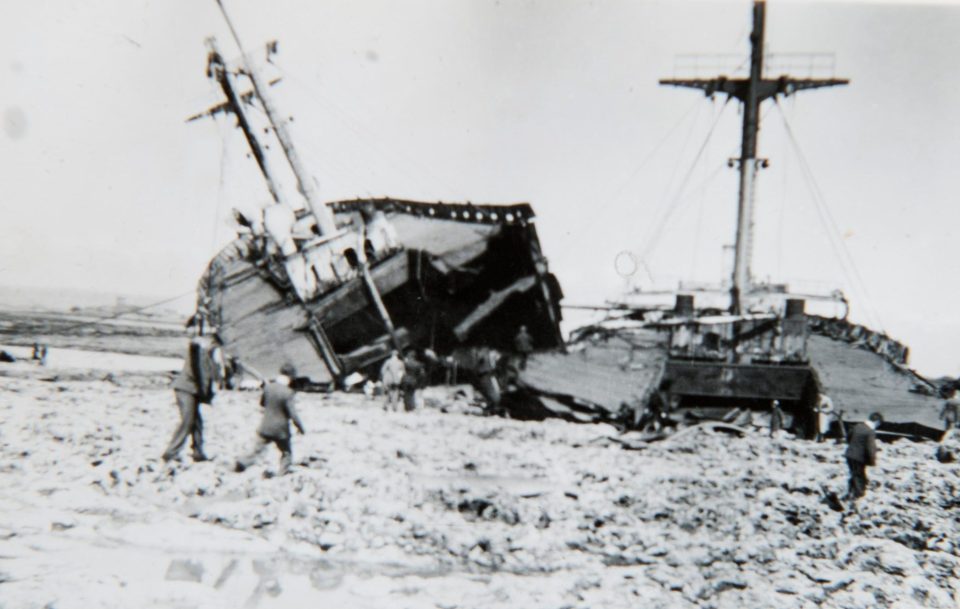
(751, 91)
(334, 287)
(279, 218)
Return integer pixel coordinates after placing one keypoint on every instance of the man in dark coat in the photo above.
(658, 407)
(278, 410)
(861, 452)
(951, 410)
(194, 385)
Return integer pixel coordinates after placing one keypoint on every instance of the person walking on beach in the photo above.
(277, 401)
(194, 385)
(487, 381)
(951, 411)
(776, 418)
(862, 452)
(655, 414)
(413, 378)
(391, 375)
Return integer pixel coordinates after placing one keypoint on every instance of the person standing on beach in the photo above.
(862, 452)
(523, 345)
(951, 411)
(776, 418)
(412, 381)
(277, 401)
(487, 382)
(391, 375)
(194, 385)
(823, 410)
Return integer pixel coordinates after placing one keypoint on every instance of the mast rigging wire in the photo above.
(220, 189)
(362, 135)
(699, 226)
(656, 233)
(847, 263)
(607, 199)
(128, 312)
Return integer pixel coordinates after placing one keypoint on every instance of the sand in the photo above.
(444, 509)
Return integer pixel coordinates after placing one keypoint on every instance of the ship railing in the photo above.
(317, 264)
(737, 65)
(860, 336)
(763, 338)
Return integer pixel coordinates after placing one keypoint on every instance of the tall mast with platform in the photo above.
(751, 91)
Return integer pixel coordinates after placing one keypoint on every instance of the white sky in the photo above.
(554, 102)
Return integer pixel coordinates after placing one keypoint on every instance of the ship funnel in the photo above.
(684, 305)
(795, 308)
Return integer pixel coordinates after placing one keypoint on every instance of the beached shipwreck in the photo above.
(447, 277)
(334, 287)
(732, 361)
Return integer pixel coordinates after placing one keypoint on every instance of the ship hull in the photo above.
(464, 276)
(608, 375)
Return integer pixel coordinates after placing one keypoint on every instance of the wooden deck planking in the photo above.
(602, 373)
(860, 382)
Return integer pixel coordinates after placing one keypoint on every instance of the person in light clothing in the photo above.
(391, 375)
(823, 410)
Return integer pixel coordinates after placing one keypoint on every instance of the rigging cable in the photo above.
(847, 263)
(668, 187)
(128, 312)
(699, 226)
(220, 189)
(657, 231)
(304, 144)
(607, 199)
(374, 143)
(784, 202)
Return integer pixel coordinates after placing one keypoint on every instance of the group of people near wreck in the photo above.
(402, 379)
(405, 377)
(861, 451)
(39, 355)
(203, 372)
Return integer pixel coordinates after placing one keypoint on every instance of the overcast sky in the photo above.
(552, 102)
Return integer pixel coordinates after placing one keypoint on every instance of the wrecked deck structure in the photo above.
(618, 364)
(459, 275)
(333, 287)
(750, 353)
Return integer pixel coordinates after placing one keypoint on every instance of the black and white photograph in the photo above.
(475, 304)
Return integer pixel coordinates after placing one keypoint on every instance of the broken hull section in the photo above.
(604, 371)
(464, 275)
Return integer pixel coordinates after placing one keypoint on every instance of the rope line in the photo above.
(372, 142)
(606, 200)
(847, 263)
(220, 189)
(127, 312)
(656, 232)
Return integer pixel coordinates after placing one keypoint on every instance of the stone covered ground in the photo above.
(445, 509)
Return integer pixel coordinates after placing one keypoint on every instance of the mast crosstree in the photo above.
(751, 91)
